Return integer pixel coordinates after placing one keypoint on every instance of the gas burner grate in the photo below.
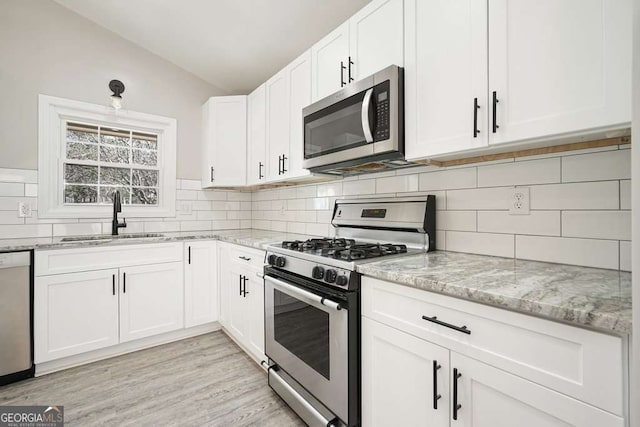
(344, 249)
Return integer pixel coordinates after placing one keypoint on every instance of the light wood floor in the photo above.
(201, 381)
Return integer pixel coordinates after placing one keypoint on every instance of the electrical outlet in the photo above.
(519, 201)
(185, 208)
(24, 210)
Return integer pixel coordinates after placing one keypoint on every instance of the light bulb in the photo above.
(116, 102)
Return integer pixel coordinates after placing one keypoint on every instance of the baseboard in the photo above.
(124, 348)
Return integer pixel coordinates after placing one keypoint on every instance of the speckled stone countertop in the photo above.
(258, 239)
(583, 296)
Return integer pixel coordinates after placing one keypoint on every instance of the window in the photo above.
(88, 152)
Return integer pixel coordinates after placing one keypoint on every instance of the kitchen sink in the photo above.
(109, 237)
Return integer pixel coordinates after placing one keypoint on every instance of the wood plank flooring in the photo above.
(201, 381)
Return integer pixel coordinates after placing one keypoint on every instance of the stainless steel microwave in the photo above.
(360, 124)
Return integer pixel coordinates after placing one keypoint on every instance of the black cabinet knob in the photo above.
(342, 280)
(330, 276)
(317, 272)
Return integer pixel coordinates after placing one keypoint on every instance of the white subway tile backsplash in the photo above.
(161, 226)
(306, 191)
(11, 203)
(201, 205)
(190, 184)
(210, 215)
(187, 195)
(31, 190)
(359, 187)
(480, 243)
(224, 225)
(479, 198)
(625, 194)
(448, 179)
(625, 256)
(318, 229)
(260, 224)
(331, 189)
(317, 203)
(296, 227)
(212, 195)
(82, 229)
(11, 189)
(597, 224)
(239, 196)
(544, 171)
(588, 195)
(440, 240)
(19, 175)
(10, 218)
(597, 166)
(195, 225)
(278, 226)
(542, 223)
(397, 184)
(296, 204)
(585, 252)
(456, 220)
(26, 230)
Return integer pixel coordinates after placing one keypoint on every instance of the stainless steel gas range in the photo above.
(312, 303)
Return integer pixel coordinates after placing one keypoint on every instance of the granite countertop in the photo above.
(258, 239)
(582, 296)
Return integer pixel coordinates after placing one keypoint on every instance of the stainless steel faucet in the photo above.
(117, 207)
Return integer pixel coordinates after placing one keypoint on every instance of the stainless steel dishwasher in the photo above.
(16, 316)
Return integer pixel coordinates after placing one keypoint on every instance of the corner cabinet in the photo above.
(242, 297)
(496, 369)
(369, 41)
(487, 72)
(200, 283)
(224, 142)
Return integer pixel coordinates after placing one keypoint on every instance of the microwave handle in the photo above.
(366, 106)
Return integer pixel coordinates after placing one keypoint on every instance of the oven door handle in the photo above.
(294, 290)
(364, 115)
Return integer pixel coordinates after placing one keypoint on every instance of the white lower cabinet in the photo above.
(75, 313)
(242, 297)
(200, 283)
(478, 370)
(151, 300)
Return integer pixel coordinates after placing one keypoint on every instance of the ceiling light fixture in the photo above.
(117, 87)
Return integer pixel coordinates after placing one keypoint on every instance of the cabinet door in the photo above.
(226, 137)
(398, 379)
(490, 397)
(299, 75)
(257, 136)
(75, 313)
(277, 124)
(151, 300)
(200, 283)
(376, 37)
(327, 55)
(237, 322)
(224, 274)
(445, 76)
(559, 66)
(254, 306)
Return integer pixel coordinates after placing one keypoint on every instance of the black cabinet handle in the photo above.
(456, 405)
(279, 165)
(244, 286)
(284, 170)
(342, 68)
(244, 258)
(435, 320)
(211, 173)
(476, 107)
(260, 166)
(350, 64)
(124, 283)
(189, 255)
(436, 395)
(240, 284)
(495, 113)
(113, 284)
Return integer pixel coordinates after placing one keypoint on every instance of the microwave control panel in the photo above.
(383, 112)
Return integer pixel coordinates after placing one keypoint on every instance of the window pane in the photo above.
(82, 133)
(80, 194)
(115, 176)
(144, 196)
(145, 178)
(76, 150)
(114, 154)
(106, 194)
(145, 157)
(80, 174)
(141, 140)
(115, 137)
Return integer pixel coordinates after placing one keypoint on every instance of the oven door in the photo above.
(307, 336)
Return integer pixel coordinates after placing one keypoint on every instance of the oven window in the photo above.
(303, 330)
(335, 128)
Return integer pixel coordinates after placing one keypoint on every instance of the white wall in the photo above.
(580, 206)
(45, 48)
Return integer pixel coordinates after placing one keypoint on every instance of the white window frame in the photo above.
(53, 113)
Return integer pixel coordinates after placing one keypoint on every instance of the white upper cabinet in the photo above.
(559, 66)
(376, 37)
(277, 125)
(446, 106)
(369, 41)
(329, 61)
(257, 136)
(224, 141)
(299, 76)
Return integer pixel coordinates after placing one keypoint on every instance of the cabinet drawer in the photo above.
(58, 261)
(253, 258)
(578, 362)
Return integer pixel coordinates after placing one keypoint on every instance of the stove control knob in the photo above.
(280, 261)
(317, 272)
(271, 260)
(330, 276)
(342, 280)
